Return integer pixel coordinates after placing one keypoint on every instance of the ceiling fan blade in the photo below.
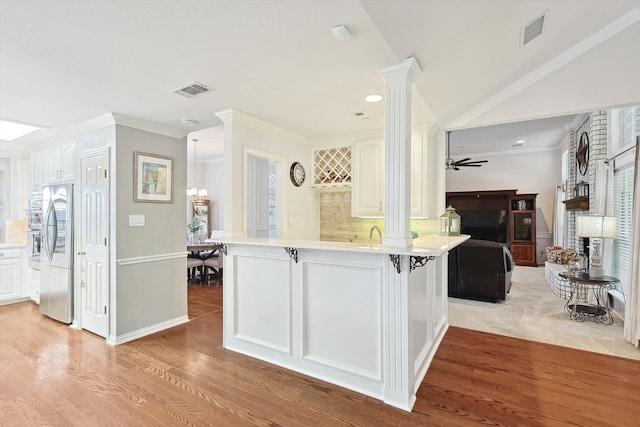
(463, 160)
(471, 163)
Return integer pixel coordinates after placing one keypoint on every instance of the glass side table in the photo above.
(589, 296)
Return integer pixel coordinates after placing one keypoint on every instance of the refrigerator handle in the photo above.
(51, 223)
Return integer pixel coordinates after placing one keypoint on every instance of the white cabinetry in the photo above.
(10, 277)
(367, 168)
(35, 285)
(418, 176)
(54, 165)
(39, 168)
(367, 195)
(61, 164)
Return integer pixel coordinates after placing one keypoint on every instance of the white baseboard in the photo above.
(130, 336)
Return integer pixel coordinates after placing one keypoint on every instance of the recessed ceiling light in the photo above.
(373, 98)
(518, 143)
(11, 130)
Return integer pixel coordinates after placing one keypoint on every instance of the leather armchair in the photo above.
(480, 270)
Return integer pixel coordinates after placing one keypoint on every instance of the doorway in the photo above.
(263, 194)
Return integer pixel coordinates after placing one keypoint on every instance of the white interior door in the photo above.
(92, 250)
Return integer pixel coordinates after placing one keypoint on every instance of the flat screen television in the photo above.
(484, 224)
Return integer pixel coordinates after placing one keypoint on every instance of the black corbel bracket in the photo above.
(293, 253)
(419, 261)
(395, 260)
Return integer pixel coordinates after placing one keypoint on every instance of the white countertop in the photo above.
(431, 244)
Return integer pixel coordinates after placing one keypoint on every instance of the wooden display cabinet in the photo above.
(522, 241)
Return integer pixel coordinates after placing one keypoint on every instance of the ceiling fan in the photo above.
(456, 164)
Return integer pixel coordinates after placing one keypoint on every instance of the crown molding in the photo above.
(111, 119)
(234, 116)
(149, 126)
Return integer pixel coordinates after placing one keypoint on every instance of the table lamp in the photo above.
(596, 228)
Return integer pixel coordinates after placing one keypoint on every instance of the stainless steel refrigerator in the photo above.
(56, 262)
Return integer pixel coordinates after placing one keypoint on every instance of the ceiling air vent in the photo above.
(192, 89)
(533, 29)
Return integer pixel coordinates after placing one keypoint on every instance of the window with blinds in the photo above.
(622, 207)
(623, 128)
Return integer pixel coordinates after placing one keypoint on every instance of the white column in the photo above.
(399, 81)
(233, 179)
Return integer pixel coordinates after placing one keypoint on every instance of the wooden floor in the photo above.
(51, 374)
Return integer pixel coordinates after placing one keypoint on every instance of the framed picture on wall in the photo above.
(152, 178)
(201, 211)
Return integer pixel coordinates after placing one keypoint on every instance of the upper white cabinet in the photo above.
(54, 165)
(61, 164)
(418, 176)
(39, 168)
(367, 194)
(367, 168)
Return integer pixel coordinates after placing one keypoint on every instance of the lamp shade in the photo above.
(597, 226)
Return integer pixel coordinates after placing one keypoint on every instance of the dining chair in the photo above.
(215, 263)
(193, 264)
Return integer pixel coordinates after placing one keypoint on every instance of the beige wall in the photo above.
(152, 292)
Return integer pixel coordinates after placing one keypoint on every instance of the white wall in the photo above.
(299, 204)
(215, 186)
(528, 172)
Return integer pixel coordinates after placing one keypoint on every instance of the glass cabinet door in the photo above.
(522, 226)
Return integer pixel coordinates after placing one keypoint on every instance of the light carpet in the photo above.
(532, 311)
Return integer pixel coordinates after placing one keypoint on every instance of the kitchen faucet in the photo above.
(375, 227)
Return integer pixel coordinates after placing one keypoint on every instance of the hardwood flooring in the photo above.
(51, 374)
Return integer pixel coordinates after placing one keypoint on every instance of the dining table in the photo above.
(203, 251)
(197, 248)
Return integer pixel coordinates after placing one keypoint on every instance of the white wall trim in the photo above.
(257, 124)
(91, 124)
(130, 336)
(149, 126)
(151, 258)
(110, 119)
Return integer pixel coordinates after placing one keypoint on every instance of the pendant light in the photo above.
(195, 192)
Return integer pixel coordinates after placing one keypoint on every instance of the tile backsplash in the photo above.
(337, 224)
(17, 231)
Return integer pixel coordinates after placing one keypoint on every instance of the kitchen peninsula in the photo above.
(364, 317)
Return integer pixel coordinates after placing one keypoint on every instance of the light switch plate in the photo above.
(136, 220)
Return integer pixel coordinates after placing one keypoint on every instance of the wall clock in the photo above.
(582, 154)
(296, 173)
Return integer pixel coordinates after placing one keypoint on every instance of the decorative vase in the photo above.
(189, 238)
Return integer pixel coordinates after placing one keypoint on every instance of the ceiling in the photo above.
(67, 61)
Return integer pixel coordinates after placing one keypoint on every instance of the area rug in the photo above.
(532, 311)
